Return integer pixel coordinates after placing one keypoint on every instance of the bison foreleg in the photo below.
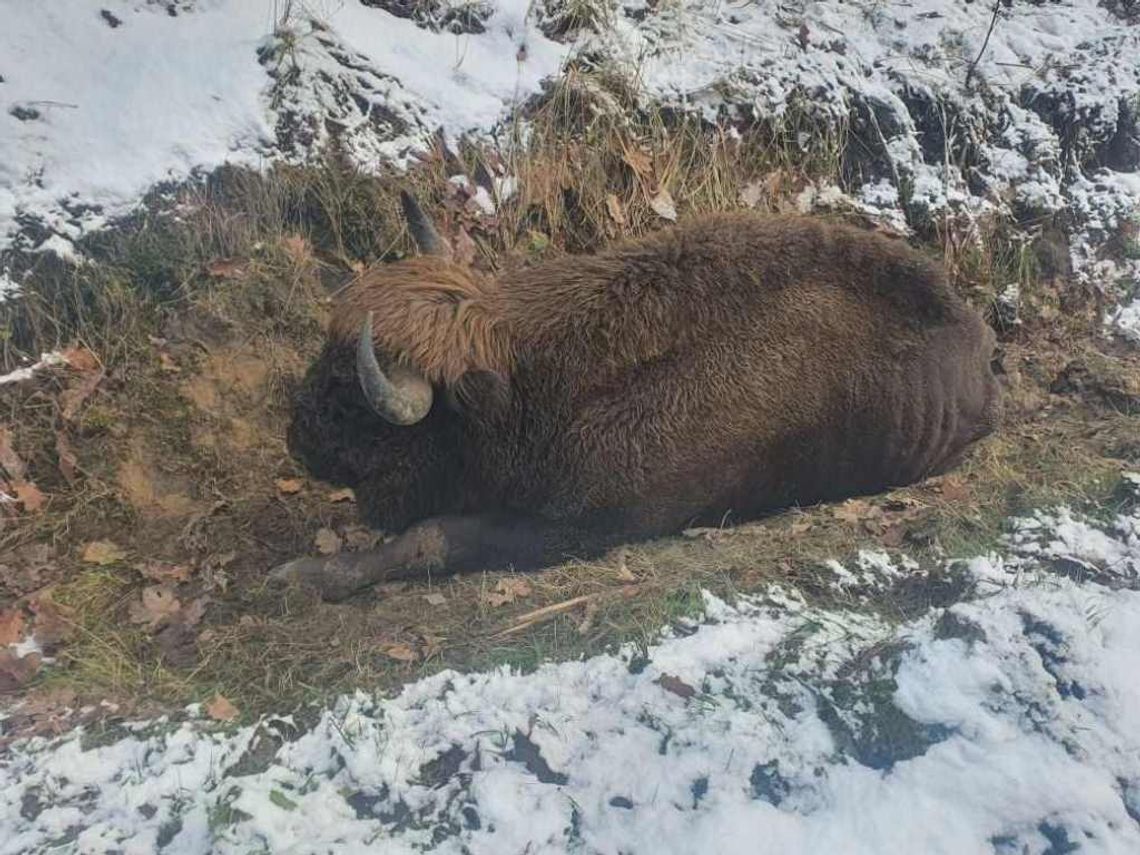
(441, 546)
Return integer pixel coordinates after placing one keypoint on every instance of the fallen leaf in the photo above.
(463, 248)
(156, 604)
(192, 613)
(855, 511)
(400, 652)
(590, 613)
(297, 248)
(800, 526)
(164, 571)
(952, 488)
(357, 537)
(663, 205)
(281, 800)
(51, 624)
(103, 553)
(753, 193)
(15, 670)
(624, 574)
(12, 623)
(435, 599)
(225, 268)
(72, 398)
(327, 542)
(177, 645)
(507, 591)
(68, 462)
(675, 685)
(289, 486)
(29, 495)
(167, 362)
(893, 535)
(613, 205)
(345, 495)
(80, 358)
(9, 459)
(639, 161)
(221, 708)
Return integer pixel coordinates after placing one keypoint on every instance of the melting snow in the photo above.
(1008, 722)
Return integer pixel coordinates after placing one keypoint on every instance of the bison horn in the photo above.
(402, 396)
(427, 239)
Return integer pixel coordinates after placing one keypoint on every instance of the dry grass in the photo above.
(203, 323)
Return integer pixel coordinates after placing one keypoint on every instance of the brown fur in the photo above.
(733, 364)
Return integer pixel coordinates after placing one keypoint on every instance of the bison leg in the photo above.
(441, 546)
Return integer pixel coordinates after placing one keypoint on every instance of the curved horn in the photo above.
(402, 396)
(420, 225)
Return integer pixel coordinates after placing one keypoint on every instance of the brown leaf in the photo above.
(225, 268)
(50, 622)
(221, 708)
(893, 535)
(68, 462)
(463, 248)
(663, 205)
(164, 571)
(166, 361)
(855, 511)
(435, 599)
(156, 604)
(624, 574)
(952, 488)
(639, 161)
(72, 398)
(345, 495)
(297, 248)
(800, 526)
(289, 486)
(81, 359)
(401, 653)
(753, 193)
(675, 685)
(327, 542)
(15, 670)
(9, 459)
(507, 591)
(11, 626)
(613, 205)
(29, 495)
(103, 553)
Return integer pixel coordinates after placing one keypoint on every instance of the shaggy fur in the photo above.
(730, 365)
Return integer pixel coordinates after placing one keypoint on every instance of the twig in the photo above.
(538, 615)
(985, 43)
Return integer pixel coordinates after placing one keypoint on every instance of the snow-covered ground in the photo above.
(102, 99)
(1007, 722)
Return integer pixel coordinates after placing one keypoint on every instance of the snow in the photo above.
(46, 360)
(1006, 722)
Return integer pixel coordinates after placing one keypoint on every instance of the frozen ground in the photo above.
(1007, 721)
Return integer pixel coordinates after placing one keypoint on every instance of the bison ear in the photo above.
(428, 240)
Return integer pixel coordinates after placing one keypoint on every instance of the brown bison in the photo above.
(731, 365)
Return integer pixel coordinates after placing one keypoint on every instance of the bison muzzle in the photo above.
(734, 364)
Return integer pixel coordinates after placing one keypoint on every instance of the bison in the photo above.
(733, 364)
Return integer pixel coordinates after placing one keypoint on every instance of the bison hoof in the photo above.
(323, 575)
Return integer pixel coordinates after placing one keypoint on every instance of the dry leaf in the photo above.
(800, 526)
(345, 495)
(225, 268)
(400, 652)
(167, 362)
(753, 193)
(156, 604)
(327, 542)
(463, 248)
(639, 161)
(11, 626)
(855, 511)
(80, 358)
(72, 398)
(675, 685)
(297, 248)
(29, 495)
(102, 552)
(9, 459)
(15, 670)
(613, 205)
(587, 623)
(435, 599)
(357, 537)
(507, 591)
(289, 486)
(50, 625)
(952, 488)
(164, 571)
(68, 462)
(221, 708)
(663, 205)
(624, 574)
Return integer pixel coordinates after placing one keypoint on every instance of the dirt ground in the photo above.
(152, 489)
